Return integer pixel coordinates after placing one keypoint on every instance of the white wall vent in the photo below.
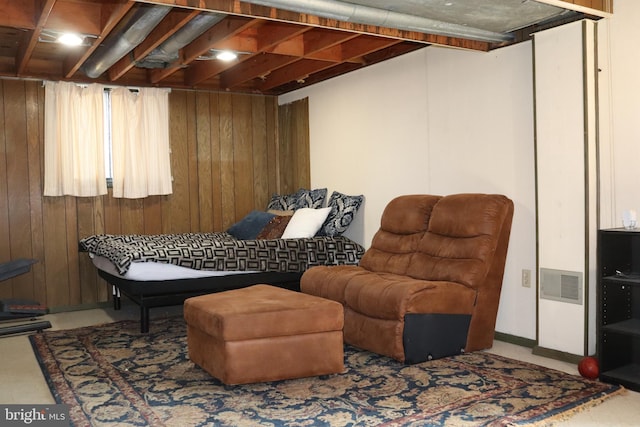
(561, 285)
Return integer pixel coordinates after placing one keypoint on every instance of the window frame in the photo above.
(108, 155)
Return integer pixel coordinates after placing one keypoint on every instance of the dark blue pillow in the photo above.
(251, 225)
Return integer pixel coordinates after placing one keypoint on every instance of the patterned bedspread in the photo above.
(223, 252)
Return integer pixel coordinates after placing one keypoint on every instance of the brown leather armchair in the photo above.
(429, 285)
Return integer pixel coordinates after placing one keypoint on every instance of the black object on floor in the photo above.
(16, 309)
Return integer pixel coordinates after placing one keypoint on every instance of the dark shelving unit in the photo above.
(618, 307)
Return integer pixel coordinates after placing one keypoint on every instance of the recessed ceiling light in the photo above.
(226, 55)
(70, 39)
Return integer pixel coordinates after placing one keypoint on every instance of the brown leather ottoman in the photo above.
(264, 333)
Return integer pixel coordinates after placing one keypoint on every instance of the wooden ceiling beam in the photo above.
(368, 59)
(241, 8)
(112, 15)
(170, 24)
(331, 54)
(294, 46)
(391, 52)
(267, 37)
(297, 71)
(321, 39)
(318, 44)
(18, 14)
(225, 29)
(306, 70)
(199, 71)
(255, 67)
(29, 42)
(363, 45)
(325, 73)
(77, 17)
(325, 48)
(280, 50)
(239, 43)
(327, 45)
(274, 33)
(261, 38)
(328, 72)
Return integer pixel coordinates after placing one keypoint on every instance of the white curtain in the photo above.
(140, 142)
(74, 140)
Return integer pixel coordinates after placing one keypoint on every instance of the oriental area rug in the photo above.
(114, 375)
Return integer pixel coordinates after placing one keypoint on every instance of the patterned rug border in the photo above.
(568, 414)
(63, 393)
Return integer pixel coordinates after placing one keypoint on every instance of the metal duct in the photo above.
(348, 12)
(118, 44)
(167, 52)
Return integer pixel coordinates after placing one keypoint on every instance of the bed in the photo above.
(163, 270)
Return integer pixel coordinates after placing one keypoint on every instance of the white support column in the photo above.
(565, 77)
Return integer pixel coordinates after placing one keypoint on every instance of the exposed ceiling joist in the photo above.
(281, 45)
(171, 24)
(72, 63)
(31, 37)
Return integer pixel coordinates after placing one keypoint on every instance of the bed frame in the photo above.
(150, 294)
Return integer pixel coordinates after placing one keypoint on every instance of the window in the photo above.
(108, 158)
(93, 134)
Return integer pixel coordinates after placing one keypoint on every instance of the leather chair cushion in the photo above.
(460, 246)
(465, 215)
(454, 259)
(391, 296)
(402, 226)
(329, 281)
(390, 252)
(408, 214)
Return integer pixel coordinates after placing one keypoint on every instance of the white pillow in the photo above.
(305, 222)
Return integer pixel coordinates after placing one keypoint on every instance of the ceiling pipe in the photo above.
(168, 51)
(118, 44)
(360, 14)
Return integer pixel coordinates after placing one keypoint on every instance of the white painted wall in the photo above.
(436, 121)
(445, 121)
(368, 134)
(480, 112)
(620, 112)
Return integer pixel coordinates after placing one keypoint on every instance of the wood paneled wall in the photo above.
(226, 160)
(293, 147)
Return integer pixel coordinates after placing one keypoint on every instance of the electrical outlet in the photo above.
(526, 278)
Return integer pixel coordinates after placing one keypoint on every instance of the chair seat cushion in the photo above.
(391, 296)
(329, 281)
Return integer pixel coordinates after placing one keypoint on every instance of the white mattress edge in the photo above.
(154, 271)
